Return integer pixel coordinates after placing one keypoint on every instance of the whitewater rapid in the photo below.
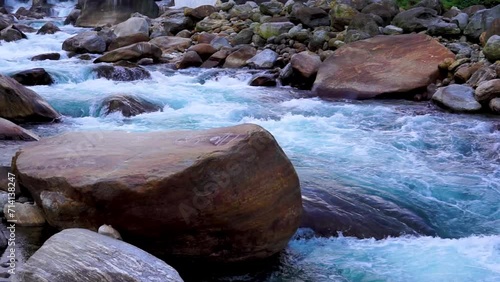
(443, 167)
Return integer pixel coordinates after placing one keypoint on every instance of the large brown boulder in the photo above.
(132, 52)
(387, 66)
(169, 44)
(99, 13)
(20, 104)
(219, 195)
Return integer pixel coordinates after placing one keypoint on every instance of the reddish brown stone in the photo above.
(392, 66)
(219, 195)
(204, 50)
(127, 40)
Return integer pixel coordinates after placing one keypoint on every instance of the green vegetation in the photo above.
(450, 3)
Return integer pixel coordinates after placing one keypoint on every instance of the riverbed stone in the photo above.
(108, 230)
(32, 77)
(127, 40)
(85, 42)
(20, 104)
(25, 214)
(391, 65)
(234, 183)
(456, 97)
(268, 30)
(495, 105)
(169, 44)
(239, 57)
(416, 19)
(11, 33)
(48, 28)
(132, 52)
(46, 56)
(12, 131)
(492, 48)
(80, 255)
(263, 60)
(127, 105)
(481, 21)
(132, 26)
(488, 90)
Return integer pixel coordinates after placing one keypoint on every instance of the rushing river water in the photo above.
(444, 168)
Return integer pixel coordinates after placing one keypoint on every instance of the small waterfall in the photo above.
(13, 5)
(193, 3)
(61, 8)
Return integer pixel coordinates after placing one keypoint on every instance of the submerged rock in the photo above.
(20, 104)
(33, 77)
(219, 195)
(392, 65)
(80, 255)
(127, 105)
(47, 56)
(457, 97)
(356, 214)
(11, 131)
(122, 72)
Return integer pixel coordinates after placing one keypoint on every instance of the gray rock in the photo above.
(271, 8)
(309, 16)
(492, 48)
(243, 37)
(457, 97)
(263, 60)
(392, 30)
(481, 21)
(495, 105)
(174, 21)
(72, 17)
(85, 42)
(132, 26)
(26, 214)
(11, 33)
(431, 4)
(416, 19)
(48, 28)
(444, 29)
(485, 73)
(461, 20)
(385, 9)
(80, 255)
(220, 42)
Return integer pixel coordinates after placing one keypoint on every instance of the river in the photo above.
(442, 167)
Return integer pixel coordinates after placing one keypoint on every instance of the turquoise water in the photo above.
(442, 168)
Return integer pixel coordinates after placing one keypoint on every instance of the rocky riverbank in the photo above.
(243, 201)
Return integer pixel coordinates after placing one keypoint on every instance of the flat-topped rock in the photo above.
(219, 195)
(388, 65)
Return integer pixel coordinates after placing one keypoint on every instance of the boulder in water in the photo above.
(85, 42)
(127, 105)
(11, 33)
(80, 255)
(99, 13)
(189, 59)
(47, 56)
(122, 71)
(72, 17)
(382, 66)
(132, 52)
(459, 98)
(48, 28)
(20, 104)
(219, 195)
(11, 131)
(33, 77)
